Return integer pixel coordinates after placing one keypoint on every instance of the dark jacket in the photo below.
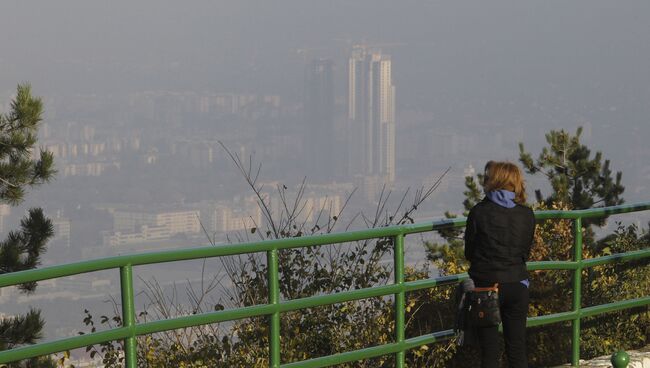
(498, 241)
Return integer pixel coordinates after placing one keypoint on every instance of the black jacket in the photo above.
(498, 241)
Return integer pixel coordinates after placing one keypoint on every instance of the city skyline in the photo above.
(138, 105)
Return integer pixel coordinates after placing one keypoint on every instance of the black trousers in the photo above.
(513, 301)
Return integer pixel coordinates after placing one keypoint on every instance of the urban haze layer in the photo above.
(143, 100)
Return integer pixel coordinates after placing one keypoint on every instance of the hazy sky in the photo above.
(547, 63)
(446, 49)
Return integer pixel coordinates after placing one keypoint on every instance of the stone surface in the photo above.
(638, 359)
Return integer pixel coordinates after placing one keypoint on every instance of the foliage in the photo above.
(160, 350)
(18, 137)
(578, 181)
(617, 282)
(20, 170)
(303, 272)
(575, 177)
(38, 362)
(452, 235)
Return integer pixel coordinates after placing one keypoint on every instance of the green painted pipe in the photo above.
(128, 316)
(577, 292)
(399, 298)
(274, 299)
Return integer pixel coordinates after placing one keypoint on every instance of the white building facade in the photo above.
(371, 114)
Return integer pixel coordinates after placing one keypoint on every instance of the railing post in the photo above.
(128, 316)
(399, 298)
(577, 291)
(274, 298)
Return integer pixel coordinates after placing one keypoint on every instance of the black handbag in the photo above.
(483, 306)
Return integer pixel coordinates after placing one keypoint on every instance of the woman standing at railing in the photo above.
(498, 237)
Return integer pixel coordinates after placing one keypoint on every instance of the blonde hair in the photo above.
(507, 176)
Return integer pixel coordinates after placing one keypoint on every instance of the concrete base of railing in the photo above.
(638, 359)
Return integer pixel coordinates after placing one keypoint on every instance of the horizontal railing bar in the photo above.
(372, 352)
(340, 297)
(613, 210)
(587, 312)
(377, 291)
(259, 310)
(186, 254)
(592, 212)
(430, 283)
(551, 265)
(69, 343)
(551, 318)
(613, 307)
(138, 259)
(203, 319)
(618, 257)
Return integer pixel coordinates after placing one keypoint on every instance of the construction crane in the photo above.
(369, 46)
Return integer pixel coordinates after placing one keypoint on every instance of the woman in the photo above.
(498, 237)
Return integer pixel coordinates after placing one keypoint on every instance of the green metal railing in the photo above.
(130, 329)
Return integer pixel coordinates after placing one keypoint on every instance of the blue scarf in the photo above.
(502, 197)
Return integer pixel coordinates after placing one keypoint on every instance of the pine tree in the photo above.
(576, 179)
(454, 236)
(20, 170)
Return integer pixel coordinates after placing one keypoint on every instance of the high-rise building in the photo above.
(319, 117)
(5, 211)
(371, 114)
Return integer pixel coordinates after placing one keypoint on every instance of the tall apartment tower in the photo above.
(371, 114)
(319, 116)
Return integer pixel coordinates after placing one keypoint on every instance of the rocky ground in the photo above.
(638, 359)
